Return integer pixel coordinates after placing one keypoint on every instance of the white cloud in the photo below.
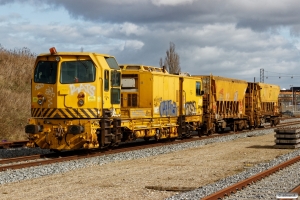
(130, 28)
(133, 44)
(171, 2)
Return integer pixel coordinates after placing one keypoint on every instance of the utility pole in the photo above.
(292, 97)
(262, 71)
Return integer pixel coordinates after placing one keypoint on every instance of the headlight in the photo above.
(80, 95)
(57, 58)
(40, 101)
(41, 98)
(80, 102)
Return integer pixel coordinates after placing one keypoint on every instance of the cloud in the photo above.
(227, 38)
(133, 44)
(171, 2)
(129, 28)
(10, 17)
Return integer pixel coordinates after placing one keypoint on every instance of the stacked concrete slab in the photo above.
(287, 138)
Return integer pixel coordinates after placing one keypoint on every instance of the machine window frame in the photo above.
(45, 72)
(77, 71)
(115, 96)
(115, 78)
(106, 80)
(112, 63)
(198, 88)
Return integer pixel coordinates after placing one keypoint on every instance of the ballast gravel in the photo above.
(34, 172)
(18, 152)
(284, 180)
(103, 177)
(267, 188)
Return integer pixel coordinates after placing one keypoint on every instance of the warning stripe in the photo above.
(64, 112)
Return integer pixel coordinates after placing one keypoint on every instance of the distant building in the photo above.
(290, 99)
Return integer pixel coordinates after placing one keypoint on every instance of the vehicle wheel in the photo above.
(188, 134)
(240, 126)
(232, 127)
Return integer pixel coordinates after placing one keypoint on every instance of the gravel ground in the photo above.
(201, 164)
(18, 152)
(267, 189)
(283, 181)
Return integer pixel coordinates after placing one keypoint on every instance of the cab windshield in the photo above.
(79, 71)
(45, 72)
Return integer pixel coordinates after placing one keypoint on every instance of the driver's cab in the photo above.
(80, 85)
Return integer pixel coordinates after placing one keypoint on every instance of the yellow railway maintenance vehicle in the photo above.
(157, 104)
(75, 96)
(86, 100)
(262, 105)
(78, 102)
(223, 104)
(238, 104)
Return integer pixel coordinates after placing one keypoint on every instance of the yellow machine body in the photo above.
(262, 103)
(153, 100)
(82, 100)
(269, 92)
(70, 93)
(224, 97)
(223, 103)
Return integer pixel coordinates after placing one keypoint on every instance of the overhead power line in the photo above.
(279, 75)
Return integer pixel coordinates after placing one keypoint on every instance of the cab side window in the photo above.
(106, 80)
(198, 88)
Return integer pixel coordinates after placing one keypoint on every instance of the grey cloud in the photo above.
(258, 15)
(3, 2)
(9, 17)
(227, 38)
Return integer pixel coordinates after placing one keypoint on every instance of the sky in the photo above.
(231, 38)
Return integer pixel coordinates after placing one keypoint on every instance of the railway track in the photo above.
(296, 190)
(226, 192)
(44, 159)
(12, 144)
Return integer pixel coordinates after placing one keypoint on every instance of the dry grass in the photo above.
(15, 77)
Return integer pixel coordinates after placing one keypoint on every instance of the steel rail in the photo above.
(296, 190)
(19, 159)
(12, 144)
(242, 184)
